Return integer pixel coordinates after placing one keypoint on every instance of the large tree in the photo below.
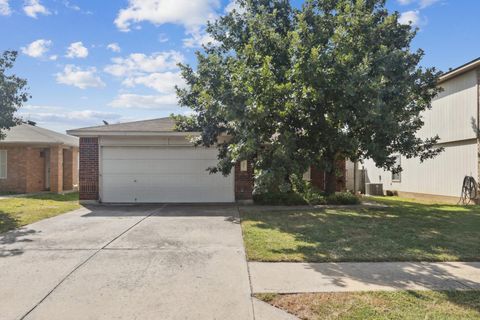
(293, 87)
(12, 93)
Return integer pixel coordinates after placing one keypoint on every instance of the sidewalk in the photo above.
(290, 277)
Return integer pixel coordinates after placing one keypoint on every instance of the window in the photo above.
(243, 165)
(3, 164)
(307, 176)
(397, 176)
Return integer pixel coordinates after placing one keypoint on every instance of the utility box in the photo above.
(374, 189)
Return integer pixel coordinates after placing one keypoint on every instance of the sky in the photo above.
(93, 60)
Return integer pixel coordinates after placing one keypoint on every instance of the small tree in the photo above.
(12, 93)
(292, 87)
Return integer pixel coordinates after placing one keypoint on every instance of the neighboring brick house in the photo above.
(147, 161)
(34, 159)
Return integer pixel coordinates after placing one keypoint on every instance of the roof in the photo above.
(160, 126)
(460, 70)
(28, 134)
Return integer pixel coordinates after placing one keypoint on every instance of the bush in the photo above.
(343, 198)
(279, 198)
(311, 197)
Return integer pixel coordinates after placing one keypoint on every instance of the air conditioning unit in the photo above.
(374, 189)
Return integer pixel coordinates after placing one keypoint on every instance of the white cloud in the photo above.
(410, 17)
(114, 47)
(61, 118)
(139, 63)
(162, 37)
(187, 13)
(136, 101)
(197, 39)
(427, 3)
(5, 8)
(37, 48)
(77, 50)
(421, 3)
(162, 82)
(233, 5)
(53, 57)
(80, 78)
(33, 7)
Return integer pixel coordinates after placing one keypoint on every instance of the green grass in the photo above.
(409, 305)
(17, 212)
(402, 231)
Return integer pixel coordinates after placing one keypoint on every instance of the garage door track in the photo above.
(127, 262)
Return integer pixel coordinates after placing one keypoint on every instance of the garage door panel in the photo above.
(136, 153)
(157, 166)
(160, 174)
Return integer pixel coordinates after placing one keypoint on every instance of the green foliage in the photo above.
(279, 199)
(299, 87)
(12, 93)
(345, 198)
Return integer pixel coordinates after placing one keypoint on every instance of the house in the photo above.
(149, 162)
(454, 116)
(34, 159)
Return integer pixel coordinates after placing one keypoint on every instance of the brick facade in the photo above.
(89, 164)
(243, 182)
(318, 176)
(27, 168)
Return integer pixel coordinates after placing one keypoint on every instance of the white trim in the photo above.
(80, 133)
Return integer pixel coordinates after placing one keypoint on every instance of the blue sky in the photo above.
(90, 60)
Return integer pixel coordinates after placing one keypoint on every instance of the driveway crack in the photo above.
(88, 259)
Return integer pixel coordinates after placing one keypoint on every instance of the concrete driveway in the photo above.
(127, 262)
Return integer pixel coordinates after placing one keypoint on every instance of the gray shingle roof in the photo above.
(153, 125)
(28, 134)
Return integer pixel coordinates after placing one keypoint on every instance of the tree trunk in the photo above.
(331, 176)
(330, 182)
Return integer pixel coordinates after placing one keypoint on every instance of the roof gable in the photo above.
(28, 134)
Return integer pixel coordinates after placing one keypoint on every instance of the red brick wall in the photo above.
(25, 170)
(244, 182)
(35, 180)
(88, 173)
(318, 176)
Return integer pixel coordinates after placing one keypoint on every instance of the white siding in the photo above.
(453, 117)
(453, 110)
(440, 176)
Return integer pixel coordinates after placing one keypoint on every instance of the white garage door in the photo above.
(162, 174)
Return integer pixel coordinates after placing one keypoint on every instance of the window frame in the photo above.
(6, 164)
(397, 177)
(244, 166)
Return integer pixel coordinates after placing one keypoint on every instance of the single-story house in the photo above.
(149, 162)
(34, 159)
(454, 116)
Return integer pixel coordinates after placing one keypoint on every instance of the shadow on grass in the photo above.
(401, 232)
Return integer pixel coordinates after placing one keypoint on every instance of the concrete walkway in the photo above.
(127, 262)
(343, 277)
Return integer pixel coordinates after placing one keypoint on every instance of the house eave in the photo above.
(472, 65)
(93, 133)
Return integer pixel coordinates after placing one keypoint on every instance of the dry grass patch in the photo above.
(409, 305)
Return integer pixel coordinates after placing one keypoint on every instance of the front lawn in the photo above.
(410, 305)
(17, 212)
(402, 231)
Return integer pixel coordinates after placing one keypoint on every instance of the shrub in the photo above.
(279, 198)
(343, 198)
